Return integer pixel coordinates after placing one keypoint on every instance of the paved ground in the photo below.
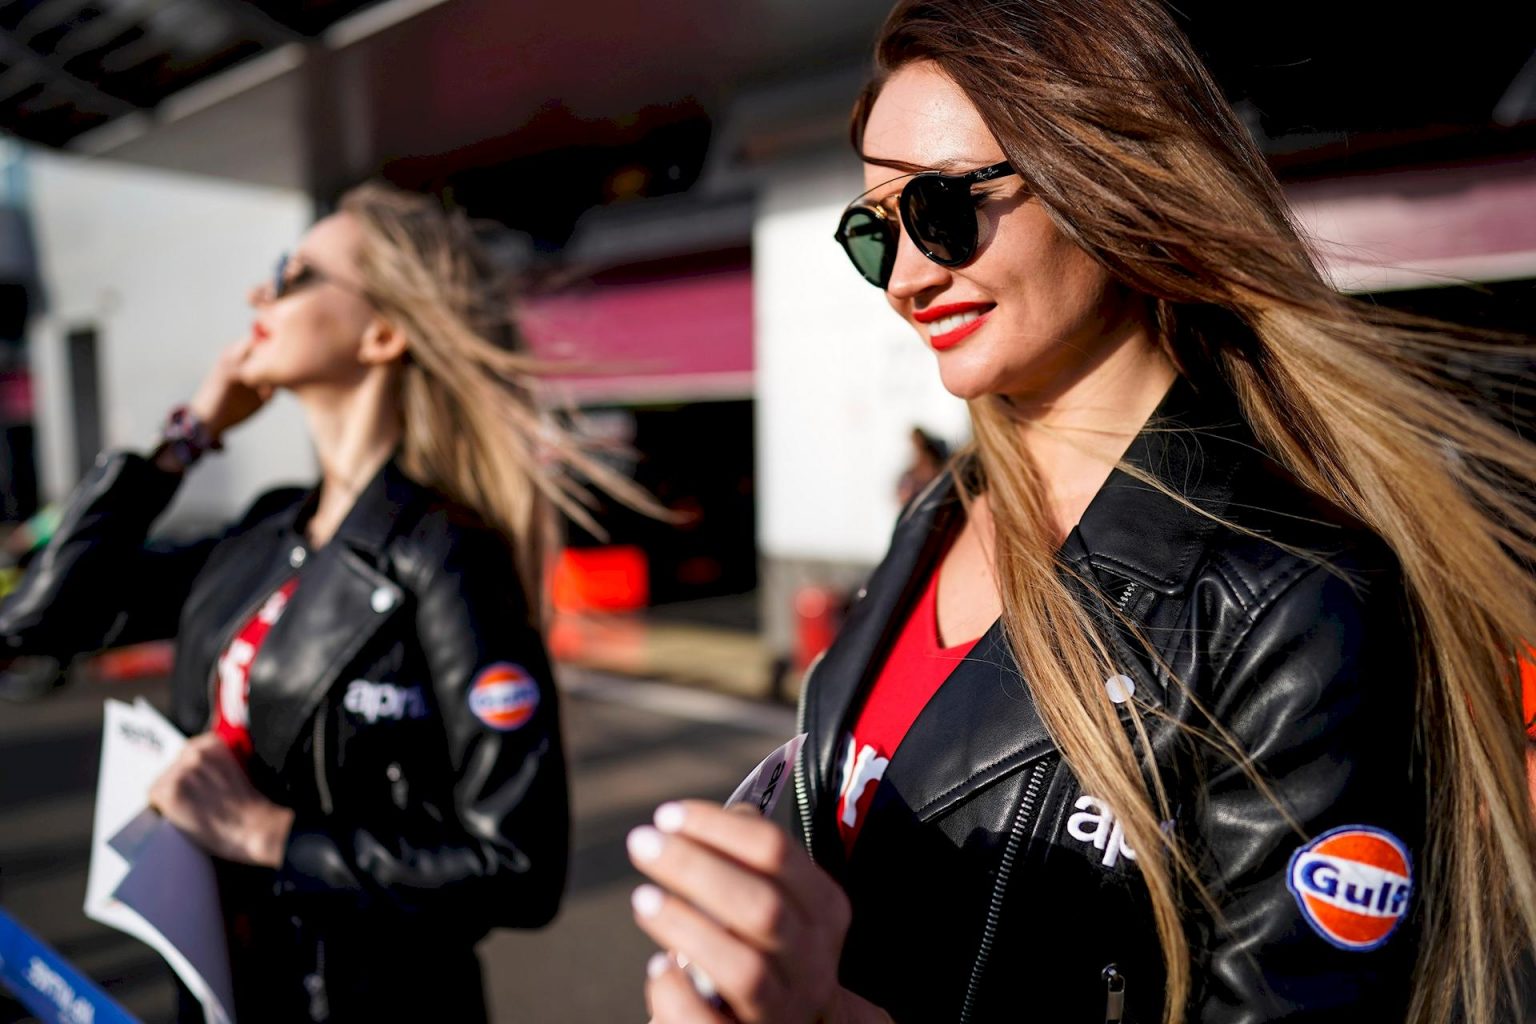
(632, 745)
(725, 660)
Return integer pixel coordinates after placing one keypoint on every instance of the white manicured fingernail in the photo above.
(656, 966)
(644, 843)
(669, 817)
(646, 900)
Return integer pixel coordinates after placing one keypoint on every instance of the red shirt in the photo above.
(231, 711)
(913, 671)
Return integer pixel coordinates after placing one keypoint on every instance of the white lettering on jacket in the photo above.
(1096, 824)
(373, 701)
(861, 767)
(234, 673)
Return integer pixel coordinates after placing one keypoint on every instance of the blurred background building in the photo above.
(667, 176)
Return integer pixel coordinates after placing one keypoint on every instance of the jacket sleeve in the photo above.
(501, 858)
(1319, 692)
(99, 580)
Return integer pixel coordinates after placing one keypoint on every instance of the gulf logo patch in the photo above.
(503, 696)
(1353, 885)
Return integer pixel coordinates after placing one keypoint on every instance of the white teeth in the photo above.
(950, 323)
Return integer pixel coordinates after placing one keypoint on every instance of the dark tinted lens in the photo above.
(941, 218)
(280, 277)
(867, 240)
(287, 281)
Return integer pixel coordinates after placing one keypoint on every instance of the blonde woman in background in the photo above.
(376, 758)
(1190, 693)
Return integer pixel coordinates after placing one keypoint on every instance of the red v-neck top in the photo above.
(915, 668)
(231, 712)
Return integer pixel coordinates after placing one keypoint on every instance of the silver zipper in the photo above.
(1125, 598)
(1114, 981)
(319, 1004)
(1114, 995)
(319, 749)
(1021, 822)
(802, 786)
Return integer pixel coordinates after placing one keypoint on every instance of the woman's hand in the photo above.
(223, 400)
(207, 795)
(743, 904)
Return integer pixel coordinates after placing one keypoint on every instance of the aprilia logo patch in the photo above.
(374, 701)
(1097, 825)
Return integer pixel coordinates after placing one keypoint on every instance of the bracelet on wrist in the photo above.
(185, 438)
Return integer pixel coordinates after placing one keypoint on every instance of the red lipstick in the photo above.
(954, 335)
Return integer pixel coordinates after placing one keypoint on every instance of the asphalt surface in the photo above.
(632, 745)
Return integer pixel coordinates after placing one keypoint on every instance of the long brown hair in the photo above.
(474, 427)
(1119, 130)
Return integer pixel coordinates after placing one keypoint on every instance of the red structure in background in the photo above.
(605, 579)
(590, 590)
(818, 614)
(1528, 691)
(152, 660)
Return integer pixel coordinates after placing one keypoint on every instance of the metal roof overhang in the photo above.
(465, 81)
(315, 94)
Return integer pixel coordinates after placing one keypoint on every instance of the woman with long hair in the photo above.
(377, 762)
(1191, 692)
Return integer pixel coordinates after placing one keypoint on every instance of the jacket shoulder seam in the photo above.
(423, 551)
(1233, 578)
(1266, 600)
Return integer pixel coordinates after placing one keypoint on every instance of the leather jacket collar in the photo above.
(377, 514)
(1193, 444)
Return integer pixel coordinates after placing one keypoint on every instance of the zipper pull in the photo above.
(1114, 995)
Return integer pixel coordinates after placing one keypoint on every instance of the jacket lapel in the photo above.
(343, 599)
(241, 572)
(979, 727)
(340, 604)
(851, 664)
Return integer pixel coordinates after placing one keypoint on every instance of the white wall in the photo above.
(841, 380)
(159, 263)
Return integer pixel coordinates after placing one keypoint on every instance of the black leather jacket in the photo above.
(986, 885)
(418, 825)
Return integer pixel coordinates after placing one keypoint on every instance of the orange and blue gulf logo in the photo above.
(503, 696)
(1353, 884)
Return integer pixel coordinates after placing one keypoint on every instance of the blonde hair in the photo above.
(473, 425)
(1119, 130)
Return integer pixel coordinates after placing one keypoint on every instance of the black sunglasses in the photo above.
(938, 212)
(285, 283)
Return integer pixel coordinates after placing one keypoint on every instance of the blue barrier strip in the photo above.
(47, 985)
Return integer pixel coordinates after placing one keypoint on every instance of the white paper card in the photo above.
(165, 895)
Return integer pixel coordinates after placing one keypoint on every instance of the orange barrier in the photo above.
(818, 613)
(140, 661)
(607, 579)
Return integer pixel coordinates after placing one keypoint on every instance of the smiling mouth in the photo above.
(259, 332)
(949, 325)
